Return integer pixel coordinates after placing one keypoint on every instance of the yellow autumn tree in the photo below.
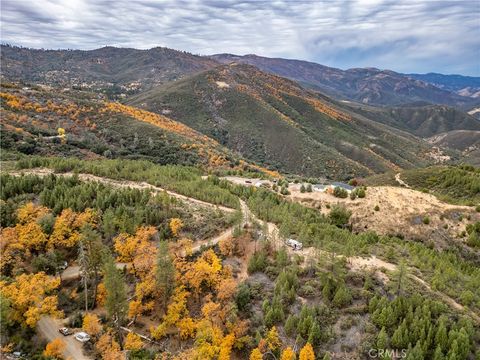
(176, 225)
(91, 324)
(208, 340)
(11, 250)
(272, 339)
(108, 348)
(288, 354)
(66, 230)
(226, 347)
(127, 245)
(177, 315)
(101, 294)
(31, 236)
(30, 297)
(307, 352)
(54, 349)
(256, 354)
(62, 135)
(135, 309)
(30, 213)
(133, 342)
(206, 270)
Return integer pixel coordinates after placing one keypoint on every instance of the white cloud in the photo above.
(403, 35)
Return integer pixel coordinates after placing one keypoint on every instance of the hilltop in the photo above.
(275, 121)
(115, 70)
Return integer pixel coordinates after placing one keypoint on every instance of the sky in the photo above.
(402, 35)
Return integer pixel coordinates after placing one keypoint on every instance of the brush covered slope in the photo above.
(76, 123)
(423, 121)
(366, 85)
(274, 121)
(115, 70)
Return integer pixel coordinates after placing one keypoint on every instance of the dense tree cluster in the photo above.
(421, 326)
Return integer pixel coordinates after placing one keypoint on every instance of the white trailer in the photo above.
(294, 244)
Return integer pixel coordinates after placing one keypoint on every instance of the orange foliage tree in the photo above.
(30, 297)
(108, 348)
(133, 342)
(91, 324)
(175, 226)
(54, 349)
(307, 352)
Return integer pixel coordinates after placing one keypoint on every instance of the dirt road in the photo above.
(48, 327)
(73, 272)
(119, 183)
(400, 181)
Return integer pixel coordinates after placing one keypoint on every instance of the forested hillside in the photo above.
(75, 123)
(423, 121)
(108, 69)
(184, 292)
(274, 121)
(156, 204)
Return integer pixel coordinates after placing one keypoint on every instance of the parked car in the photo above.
(294, 244)
(63, 266)
(83, 337)
(65, 331)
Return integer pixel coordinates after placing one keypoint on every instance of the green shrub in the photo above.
(376, 208)
(339, 215)
(340, 192)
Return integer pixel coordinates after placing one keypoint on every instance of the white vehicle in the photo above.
(83, 337)
(294, 244)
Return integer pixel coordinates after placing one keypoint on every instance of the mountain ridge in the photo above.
(367, 85)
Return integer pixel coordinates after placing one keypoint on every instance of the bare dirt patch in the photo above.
(401, 211)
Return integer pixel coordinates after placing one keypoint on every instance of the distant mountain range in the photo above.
(462, 85)
(128, 70)
(293, 116)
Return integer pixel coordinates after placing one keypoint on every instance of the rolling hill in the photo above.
(275, 121)
(114, 69)
(365, 85)
(31, 117)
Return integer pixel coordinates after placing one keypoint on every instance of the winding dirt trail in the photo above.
(400, 181)
(121, 184)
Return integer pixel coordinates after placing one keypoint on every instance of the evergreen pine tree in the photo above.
(165, 272)
(382, 339)
(116, 295)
